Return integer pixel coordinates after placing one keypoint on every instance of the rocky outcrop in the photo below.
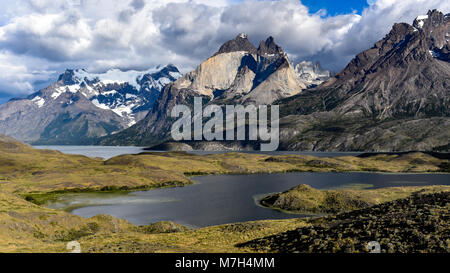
(240, 43)
(269, 47)
(217, 74)
(206, 146)
(162, 227)
(237, 74)
(282, 83)
(243, 74)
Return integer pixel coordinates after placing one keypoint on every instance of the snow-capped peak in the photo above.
(114, 76)
(93, 83)
(129, 94)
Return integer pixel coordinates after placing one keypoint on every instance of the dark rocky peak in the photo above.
(397, 34)
(427, 38)
(240, 43)
(435, 26)
(68, 77)
(171, 68)
(166, 72)
(437, 17)
(432, 19)
(269, 47)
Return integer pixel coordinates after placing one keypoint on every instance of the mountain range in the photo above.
(393, 96)
(238, 73)
(81, 106)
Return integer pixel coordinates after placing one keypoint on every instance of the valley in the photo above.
(35, 177)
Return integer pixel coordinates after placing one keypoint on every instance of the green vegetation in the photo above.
(305, 199)
(29, 177)
(25, 227)
(162, 227)
(417, 224)
(54, 196)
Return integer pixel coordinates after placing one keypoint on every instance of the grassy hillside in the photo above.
(27, 174)
(417, 224)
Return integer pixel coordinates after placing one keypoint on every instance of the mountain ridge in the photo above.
(404, 47)
(81, 106)
(394, 96)
(238, 73)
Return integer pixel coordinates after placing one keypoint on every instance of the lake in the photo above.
(107, 152)
(221, 199)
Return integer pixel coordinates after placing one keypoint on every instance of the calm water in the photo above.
(108, 152)
(105, 152)
(317, 154)
(221, 199)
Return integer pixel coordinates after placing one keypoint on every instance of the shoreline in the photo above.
(94, 196)
(44, 197)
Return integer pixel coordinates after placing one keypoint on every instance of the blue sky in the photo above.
(337, 6)
(39, 39)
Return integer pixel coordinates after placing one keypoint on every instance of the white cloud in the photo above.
(15, 74)
(375, 22)
(48, 35)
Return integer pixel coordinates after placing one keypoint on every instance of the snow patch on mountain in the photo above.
(100, 105)
(66, 88)
(110, 93)
(175, 75)
(39, 101)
